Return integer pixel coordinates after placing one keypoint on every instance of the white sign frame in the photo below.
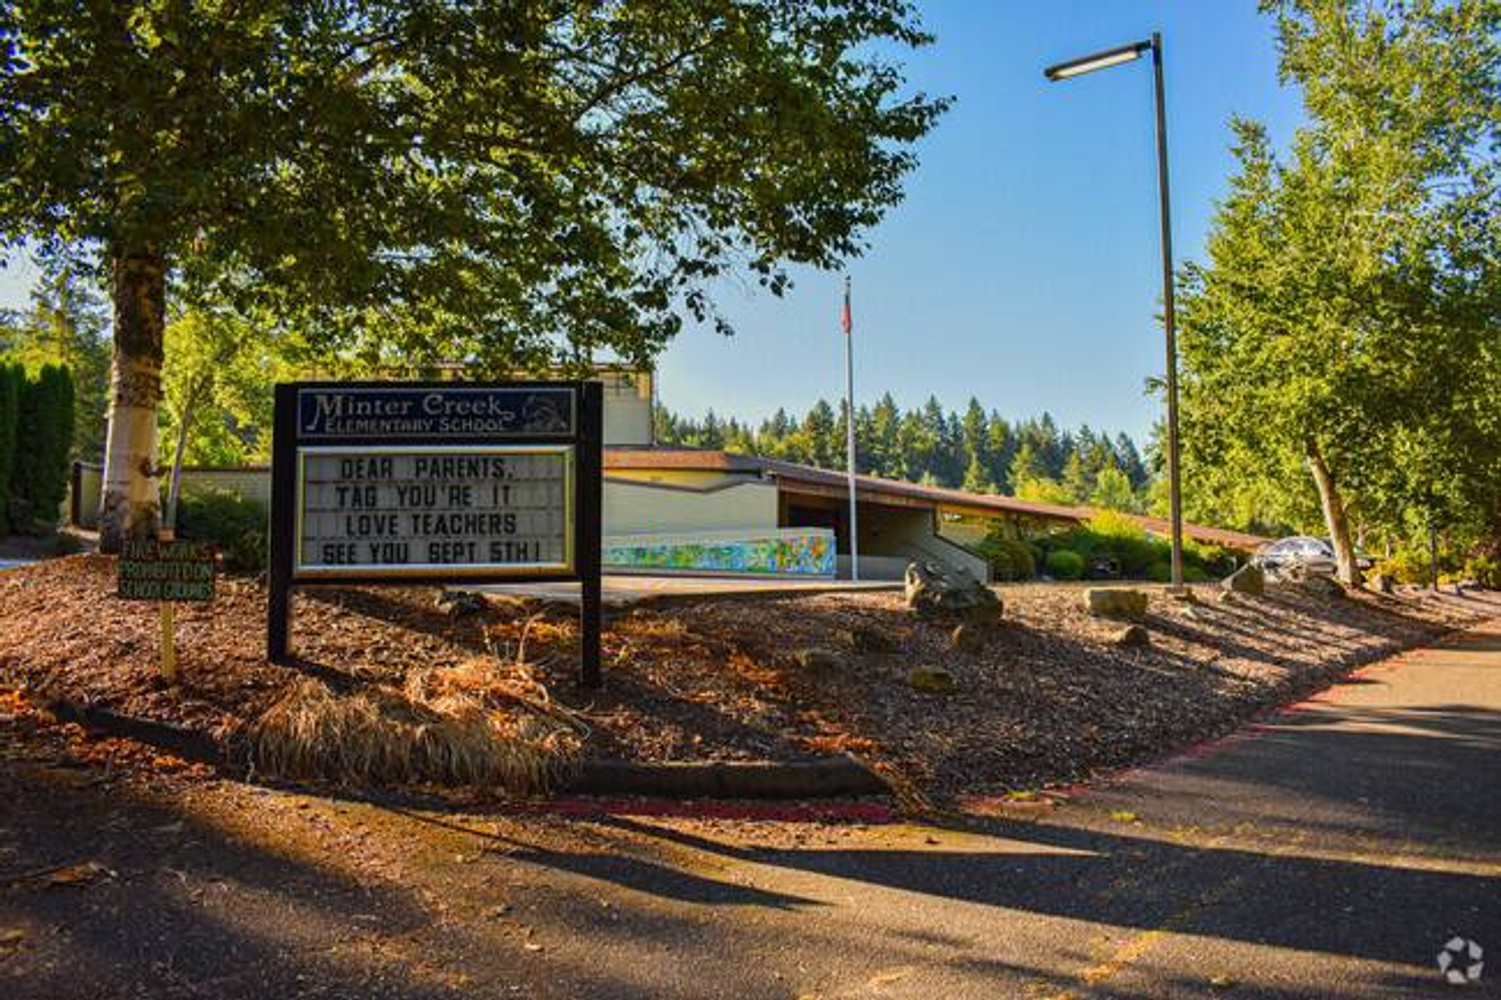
(302, 570)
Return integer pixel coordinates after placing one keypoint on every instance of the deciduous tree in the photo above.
(513, 183)
(1349, 280)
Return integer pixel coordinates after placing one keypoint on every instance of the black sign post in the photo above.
(439, 482)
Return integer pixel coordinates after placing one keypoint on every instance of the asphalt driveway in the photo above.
(1331, 851)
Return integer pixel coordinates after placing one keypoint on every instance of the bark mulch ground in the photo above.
(1047, 697)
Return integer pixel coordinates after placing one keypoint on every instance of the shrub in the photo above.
(1211, 561)
(1414, 565)
(1404, 566)
(1114, 540)
(1484, 570)
(1010, 558)
(236, 525)
(1065, 564)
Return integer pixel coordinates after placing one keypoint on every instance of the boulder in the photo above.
(461, 602)
(931, 680)
(817, 660)
(1322, 586)
(935, 591)
(968, 638)
(1249, 579)
(1115, 602)
(865, 639)
(1133, 637)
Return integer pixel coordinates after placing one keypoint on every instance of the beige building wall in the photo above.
(252, 483)
(637, 508)
(628, 404)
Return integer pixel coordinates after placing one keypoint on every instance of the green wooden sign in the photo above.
(166, 571)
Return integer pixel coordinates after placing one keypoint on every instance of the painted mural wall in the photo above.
(807, 552)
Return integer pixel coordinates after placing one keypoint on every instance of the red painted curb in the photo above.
(580, 807)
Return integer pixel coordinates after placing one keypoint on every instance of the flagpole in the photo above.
(849, 428)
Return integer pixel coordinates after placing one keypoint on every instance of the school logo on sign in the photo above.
(448, 412)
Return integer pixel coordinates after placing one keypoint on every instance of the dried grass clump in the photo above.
(470, 725)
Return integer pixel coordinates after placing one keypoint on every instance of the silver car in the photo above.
(1313, 555)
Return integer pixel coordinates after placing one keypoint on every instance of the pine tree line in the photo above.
(978, 451)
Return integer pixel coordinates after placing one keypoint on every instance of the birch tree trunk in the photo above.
(130, 505)
(1335, 518)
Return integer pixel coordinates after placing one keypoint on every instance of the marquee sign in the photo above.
(434, 511)
(438, 483)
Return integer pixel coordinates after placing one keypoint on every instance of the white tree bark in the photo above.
(131, 506)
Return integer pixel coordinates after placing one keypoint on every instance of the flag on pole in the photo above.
(846, 319)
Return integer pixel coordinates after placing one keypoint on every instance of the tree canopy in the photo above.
(514, 183)
(1340, 343)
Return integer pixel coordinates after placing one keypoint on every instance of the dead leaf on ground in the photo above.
(81, 874)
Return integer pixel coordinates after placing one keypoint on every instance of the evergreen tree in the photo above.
(710, 433)
(1027, 466)
(819, 430)
(44, 434)
(1129, 460)
(975, 451)
(11, 378)
(885, 430)
(977, 476)
(1113, 491)
(1001, 445)
(665, 429)
(1077, 479)
(863, 440)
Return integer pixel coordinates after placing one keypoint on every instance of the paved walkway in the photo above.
(623, 589)
(1331, 852)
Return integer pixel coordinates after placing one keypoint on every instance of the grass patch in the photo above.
(474, 725)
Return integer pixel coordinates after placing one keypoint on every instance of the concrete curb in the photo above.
(828, 777)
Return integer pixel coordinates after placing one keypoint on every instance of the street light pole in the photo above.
(1169, 322)
(1104, 60)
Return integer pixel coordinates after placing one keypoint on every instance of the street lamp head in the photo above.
(1099, 60)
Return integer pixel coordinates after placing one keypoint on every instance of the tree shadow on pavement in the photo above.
(173, 907)
(1382, 850)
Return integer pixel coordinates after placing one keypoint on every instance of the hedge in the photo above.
(11, 379)
(41, 448)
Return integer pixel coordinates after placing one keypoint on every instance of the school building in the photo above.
(693, 511)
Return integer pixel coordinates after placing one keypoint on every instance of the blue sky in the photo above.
(1023, 267)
